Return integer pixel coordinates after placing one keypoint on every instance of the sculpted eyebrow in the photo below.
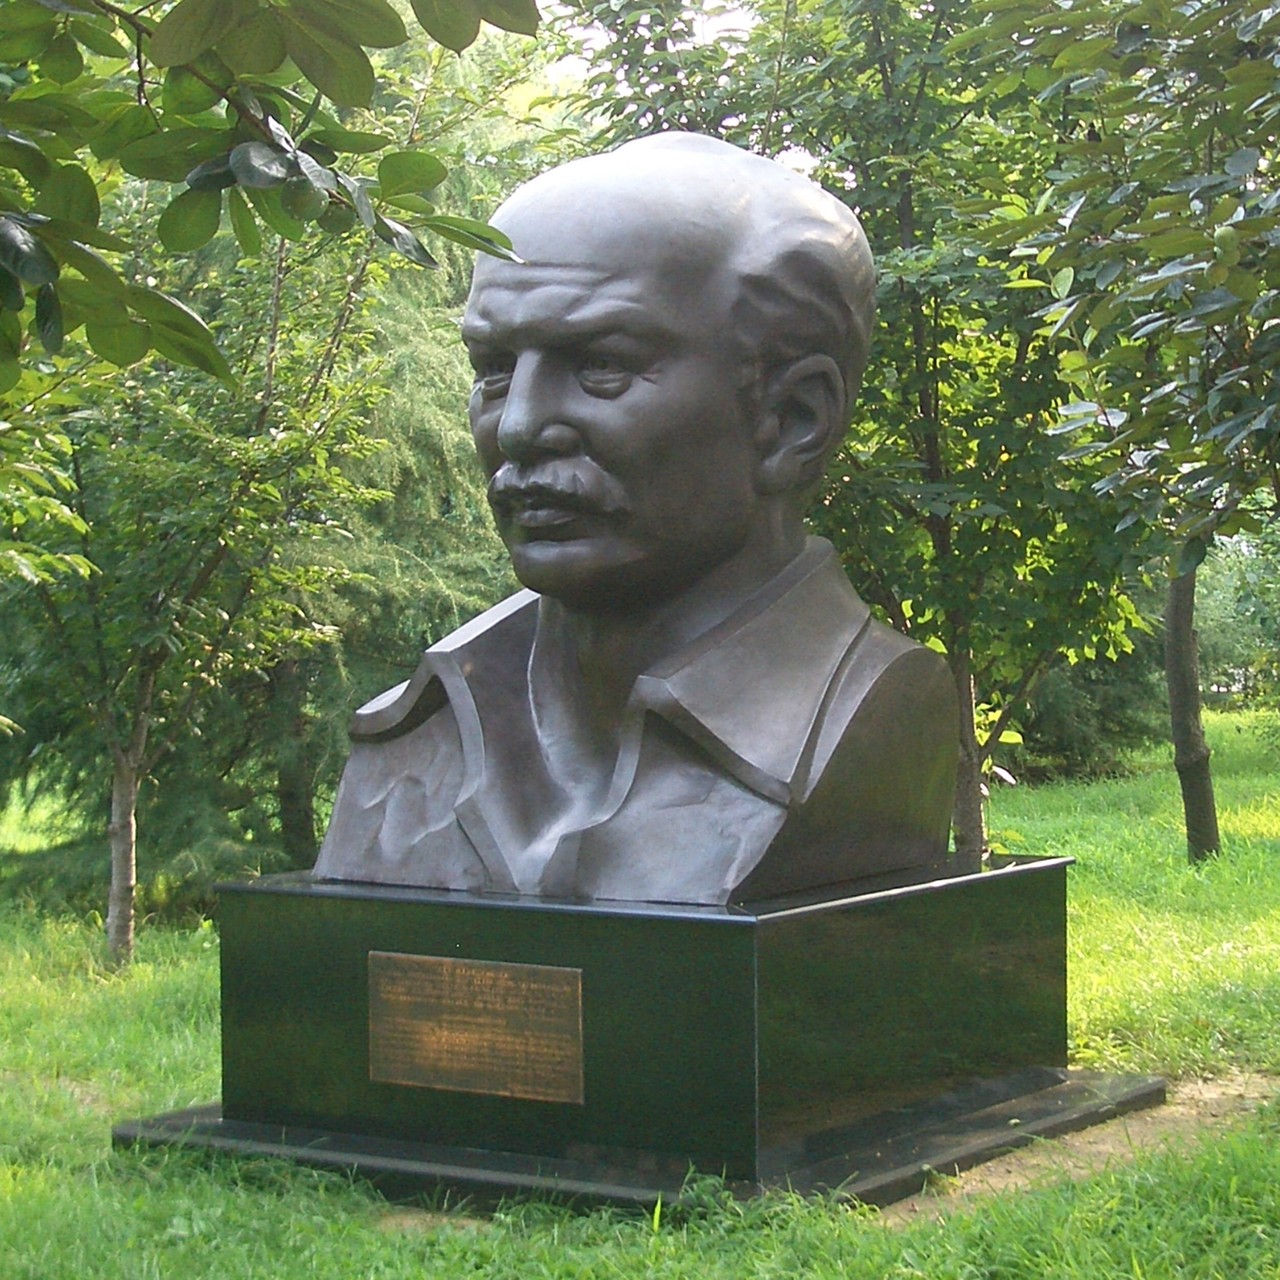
(571, 331)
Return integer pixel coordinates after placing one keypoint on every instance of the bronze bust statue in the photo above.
(688, 703)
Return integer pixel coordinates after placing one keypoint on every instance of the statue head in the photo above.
(661, 379)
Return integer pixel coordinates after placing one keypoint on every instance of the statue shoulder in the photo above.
(494, 639)
(889, 685)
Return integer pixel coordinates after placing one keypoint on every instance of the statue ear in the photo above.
(802, 416)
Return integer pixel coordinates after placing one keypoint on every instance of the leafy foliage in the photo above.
(1238, 616)
(1159, 227)
(356, 374)
(226, 97)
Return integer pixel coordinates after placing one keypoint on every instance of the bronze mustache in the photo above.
(571, 485)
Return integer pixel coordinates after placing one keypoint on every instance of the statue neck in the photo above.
(585, 663)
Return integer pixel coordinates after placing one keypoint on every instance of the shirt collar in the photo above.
(749, 691)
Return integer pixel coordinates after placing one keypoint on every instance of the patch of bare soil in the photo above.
(1194, 1108)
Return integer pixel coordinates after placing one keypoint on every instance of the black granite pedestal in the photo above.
(509, 1044)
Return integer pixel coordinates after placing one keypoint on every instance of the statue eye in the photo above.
(603, 375)
(493, 373)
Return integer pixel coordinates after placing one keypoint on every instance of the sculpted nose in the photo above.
(532, 425)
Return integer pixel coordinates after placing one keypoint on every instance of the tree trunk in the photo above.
(969, 814)
(1190, 752)
(295, 767)
(297, 812)
(122, 833)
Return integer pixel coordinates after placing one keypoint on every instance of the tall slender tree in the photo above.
(1160, 219)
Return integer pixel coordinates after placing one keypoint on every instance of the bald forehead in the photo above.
(774, 264)
(704, 198)
(586, 220)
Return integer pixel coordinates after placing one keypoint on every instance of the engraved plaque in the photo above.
(476, 1026)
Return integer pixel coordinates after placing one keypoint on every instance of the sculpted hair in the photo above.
(805, 279)
(795, 303)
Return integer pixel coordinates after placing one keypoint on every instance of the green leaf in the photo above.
(24, 255)
(520, 16)
(49, 319)
(359, 198)
(10, 336)
(1062, 281)
(22, 43)
(350, 141)
(121, 344)
(67, 6)
(17, 152)
(180, 334)
(1191, 556)
(23, 15)
(60, 233)
(171, 155)
(268, 207)
(51, 112)
(188, 29)
(472, 234)
(1176, 243)
(243, 224)
(372, 23)
(12, 297)
(96, 270)
(1243, 284)
(411, 204)
(403, 241)
(1243, 162)
(88, 298)
(62, 61)
(212, 175)
(126, 124)
(340, 70)
(190, 221)
(314, 172)
(256, 48)
(201, 355)
(452, 23)
(69, 193)
(1109, 272)
(185, 94)
(97, 39)
(402, 172)
(165, 311)
(255, 164)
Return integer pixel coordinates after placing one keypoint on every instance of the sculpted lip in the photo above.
(542, 517)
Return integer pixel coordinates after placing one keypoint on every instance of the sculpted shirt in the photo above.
(798, 745)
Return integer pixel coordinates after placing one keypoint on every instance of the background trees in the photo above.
(1074, 214)
(1160, 222)
(203, 522)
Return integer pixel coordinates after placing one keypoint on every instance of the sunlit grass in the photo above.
(28, 823)
(1173, 969)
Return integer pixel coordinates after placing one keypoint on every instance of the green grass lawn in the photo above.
(1172, 970)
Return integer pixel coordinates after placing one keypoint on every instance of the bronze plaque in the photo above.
(476, 1026)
